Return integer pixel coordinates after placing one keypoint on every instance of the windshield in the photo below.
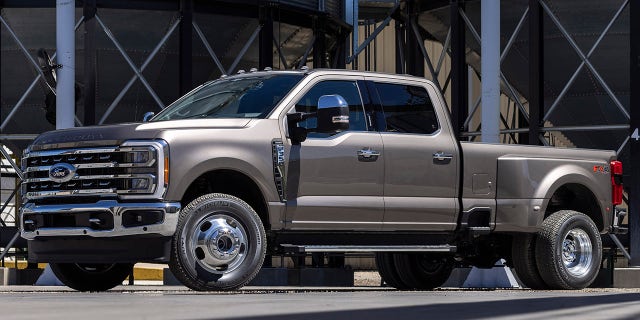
(234, 97)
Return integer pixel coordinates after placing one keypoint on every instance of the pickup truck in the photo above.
(270, 162)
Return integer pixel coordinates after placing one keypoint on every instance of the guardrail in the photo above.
(9, 232)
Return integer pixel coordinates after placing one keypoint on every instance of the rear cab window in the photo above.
(405, 109)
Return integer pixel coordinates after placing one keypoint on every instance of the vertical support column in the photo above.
(265, 58)
(459, 98)
(634, 144)
(319, 47)
(66, 57)
(536, 72)
(89, 13)
(186, 47)
(490, 59)
(400, 44)
(340, 58)
(414, 59)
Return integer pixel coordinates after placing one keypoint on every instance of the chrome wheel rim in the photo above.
(218, 243)
(577, 252)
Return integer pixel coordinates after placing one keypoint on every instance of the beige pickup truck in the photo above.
(272, 162)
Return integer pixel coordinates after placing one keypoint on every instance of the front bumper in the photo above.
(102, 219)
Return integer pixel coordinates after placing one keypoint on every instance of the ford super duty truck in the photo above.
(311, 161)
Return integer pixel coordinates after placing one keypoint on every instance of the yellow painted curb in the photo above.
(141, 271)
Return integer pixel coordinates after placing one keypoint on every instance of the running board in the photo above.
(293, 248)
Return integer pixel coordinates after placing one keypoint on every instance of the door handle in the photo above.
(442, 157)
(368, 155)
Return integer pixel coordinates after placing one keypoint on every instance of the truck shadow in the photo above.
(521, 308)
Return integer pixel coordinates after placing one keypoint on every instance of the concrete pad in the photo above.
(457, 278)
(168, 279)
(11, 276)
(626, 278)
(276, 277)
(326, 277)
(499, 276)
(48, 278)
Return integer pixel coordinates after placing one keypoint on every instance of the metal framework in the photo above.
(524, 120)
(312, 14)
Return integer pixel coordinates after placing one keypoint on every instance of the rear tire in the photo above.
(91, 277)
(423, 271)
(388, 271)
(568, 250)
(523, 257)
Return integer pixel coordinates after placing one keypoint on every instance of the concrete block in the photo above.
(168, 279)
(23, 277)
(499, 276)
(48, 278)
(626, 278)
(276, 277)
(604, 279)
(326, 277)
(457, 278)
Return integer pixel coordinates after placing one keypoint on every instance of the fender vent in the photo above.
(277, 149)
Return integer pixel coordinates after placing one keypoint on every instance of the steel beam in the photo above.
(400, 43)
(136, 76)
(459, 83)
(209, 49)
(185, 64)
(490, 59)
(632, 181)
(536, 72)
(320, 45)
(266, 41)
(89, 13)
(413, 54)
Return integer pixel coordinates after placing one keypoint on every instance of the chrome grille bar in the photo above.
(135, 168)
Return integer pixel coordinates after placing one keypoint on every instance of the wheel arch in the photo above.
(571, 187)
(233, 182)
(576, 197)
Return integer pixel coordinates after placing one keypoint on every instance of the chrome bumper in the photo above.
(112, 208)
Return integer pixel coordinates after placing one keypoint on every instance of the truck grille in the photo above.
(107, 171)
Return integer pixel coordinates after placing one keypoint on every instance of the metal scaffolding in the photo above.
(326, 38)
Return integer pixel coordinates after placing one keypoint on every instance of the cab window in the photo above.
(348, 90)
(407, 109)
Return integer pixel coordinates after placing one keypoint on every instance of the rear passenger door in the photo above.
(421, 157)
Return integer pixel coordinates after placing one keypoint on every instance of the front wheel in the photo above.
(91, 277)
(219, 243)
(568, 250)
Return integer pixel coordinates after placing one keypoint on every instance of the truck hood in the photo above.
(118, 133)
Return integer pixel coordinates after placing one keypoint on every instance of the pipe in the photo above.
(490, 35)
(66, 48)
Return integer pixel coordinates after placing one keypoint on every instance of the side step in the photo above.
(294, 248)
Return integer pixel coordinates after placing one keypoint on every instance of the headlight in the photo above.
(139, 183)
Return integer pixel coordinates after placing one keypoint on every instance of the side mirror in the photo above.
(333, 114)
(148, 116)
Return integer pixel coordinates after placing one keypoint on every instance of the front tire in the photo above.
(219, 244)
(91, 277)
(568, 250)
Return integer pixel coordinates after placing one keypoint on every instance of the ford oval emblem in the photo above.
(62, 172)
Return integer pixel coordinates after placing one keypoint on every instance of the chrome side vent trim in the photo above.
(279, 178)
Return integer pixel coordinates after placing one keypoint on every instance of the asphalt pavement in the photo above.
(169, 302)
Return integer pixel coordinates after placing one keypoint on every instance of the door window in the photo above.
(348, 90)
(407, 109)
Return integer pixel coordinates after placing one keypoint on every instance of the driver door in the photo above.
(335, 181)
